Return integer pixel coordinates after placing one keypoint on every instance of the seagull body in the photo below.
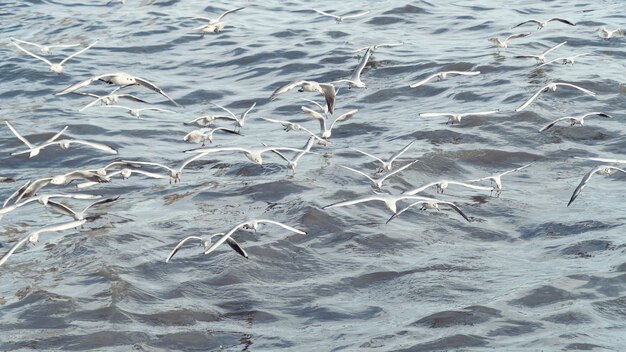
(326, 131)
(250, 225)
(78, 215)
(293, 163)
(205, 135)
(33, 237)
(541, 58)
(564, 60)
(110, 99)
(326, 89)
(355, 78)
(388, 164)
(441, 185)
(377, 183)
(46, 49)
(340, 19)
(541, 24)
(430, 204)
(239, 122)
(452, 118)
(137, 112)
(607, 34)
(119, 79)
(552, 87)
(206, 244)
(253, 154)
(442, 75)
(575, 120)
(497, 178)
(214, 25)
(56, 68)
(598, 170)
(504, 43)
(34, 150)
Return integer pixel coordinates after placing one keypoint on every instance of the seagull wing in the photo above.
(515, 36)
(554, 47)
(463, 73)
(356, 75)
(78, 52)
(62, 208)
(153, 87)
(99, 146)
(84, 83)
(514, 170)
(529, 101)
(354, 201)
(529, 21)
(31, 54)
(469, 185)
(285, 88)
(583, 183)
(368, 154)
(180, 244)
(561, 20)
(435, 114)
(236, 247)
(604, 160)
(224, 238)
(577, 87)
(286, 227)
(357, 15)
(482, 113)
(344, 117)
(326, 14)
(329, 92)
(396, 214)
(30, 43)
(358, 172)
(56, 136)
(551, 124)
(245, 114)
(425, 80)
(551, 61)
(18, 135)
(149, 174)
(227, 12)
(456, 207)
(391, 173)
(315, 116)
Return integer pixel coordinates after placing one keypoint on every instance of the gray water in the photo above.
(528, 273)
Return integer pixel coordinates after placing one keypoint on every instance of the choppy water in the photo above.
(528, 273)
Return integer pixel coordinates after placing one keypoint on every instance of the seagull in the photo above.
(607, 34)
(355, 78)
(442, 75)
(541, 58)
(34, 150)
(78, 215)
(442, 185)
(56, 68)
(214, 25)
(326, 89)
(253, 154)
(430, 204)
(452, 118)
(205, 134)
(109, 99)
(573, 120)
(27, 190)
(126, 173)
(293, 163)
(564, 60)
(66, 143)
(340, 19)
(552, 87)
(390, 200)
(497, 179)
(373, 48)
(173, 174)
(46, 49)
(541, 24)
(324, 130)
(386, 165)
(603, 160)
(137, 112)
(120, 163)
(120, 79)
(600, 170)
(43, 200)
(76, 175)
(206, 244)
(33, 237)
(6, 180)
(207, 120)
(504, 43)
(239, 122)
(292, 126)
(378, 182)
(251, 225)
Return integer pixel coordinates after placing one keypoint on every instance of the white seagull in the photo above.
(325, 131)
(27, 190)
(56, 68)
(430, 204)
(239, 122)
(292, 126)
(173, 174)
(504, 43)
(441, 185)
(33, 150)
(250, 225)
(340, 19)
(46, 49)
(388, 164)
(390, 200)
(326, 89)
(33, 237)
(564, 60)
(120, 79)
(575, 120)
(137, 112)
(452, 118)
(607, 34)
(541, 58)
(206, 243)
(109, 99)
(442, 75)
(43, 200)
(497, 178)
(355, 78)
(377, 183)
(60, 207)
(293, 163)
(126, 173)
(205, 135)
(552, 87)
(541, 24)
(214, 25)
(599, 170)
(253, 154)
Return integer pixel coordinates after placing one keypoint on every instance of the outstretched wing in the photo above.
(153, 87)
